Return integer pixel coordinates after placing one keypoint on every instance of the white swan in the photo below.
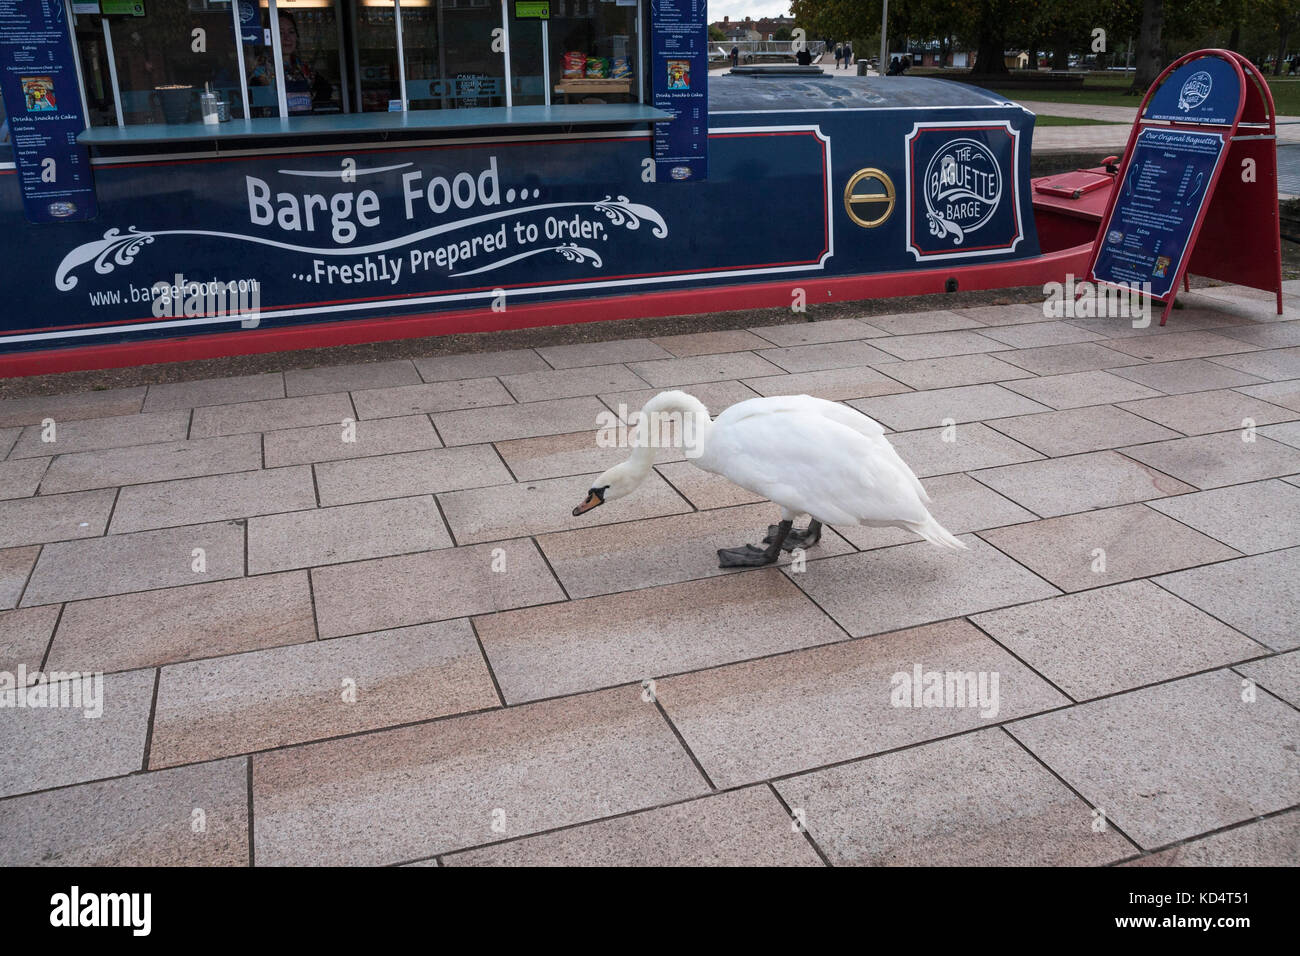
(807, 455)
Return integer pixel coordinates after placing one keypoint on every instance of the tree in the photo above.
(1149, 45)
(716, 35)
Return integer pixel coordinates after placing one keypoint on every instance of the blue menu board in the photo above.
(1204, 90)
(679, 33)
(38, 79)
(1161, 199)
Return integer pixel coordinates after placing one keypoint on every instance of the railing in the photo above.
(755, 50)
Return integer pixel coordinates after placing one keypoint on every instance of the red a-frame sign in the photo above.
(1197, 189)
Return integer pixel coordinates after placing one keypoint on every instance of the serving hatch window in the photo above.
(152, 61)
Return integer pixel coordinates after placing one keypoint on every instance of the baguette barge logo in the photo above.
(962, 194)
(1195, 91)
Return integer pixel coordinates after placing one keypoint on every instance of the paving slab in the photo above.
(145, 463)
(1191, 756)
(918, 323)
(571, 382)
(703, 489)
(43, 747)
(1075, 430)
(1200, 413)
(953, 370)
(958, 502)
(1115, 639)
(1279, 675)
(348, 378)
(505, 422)
(1078, 357)
(924, 584)
(24, 636)
(288, 695)
(121, 563)
(379, 436)
(1061, 486)
(1004, 314)
(941, 451)
(142, 820)
(1190, 375)
(98, 433)
(419, 791)
(710, 343)
(554, 456)
(812, 333)
(373, 529)
(1288, 433)
(1095, 548)
(212, 498)
(631, 636)
(1224, 458)
(928, 345)
(1257, 595)
(747, 827)
(432, 397)
(21, 478)
(407, 474)
(1271, 842)
(37, 520)
(7, 438)
(387, 593)
(1286, 394)
(214, 391)
(831, 384)
(1079, 389)
(826, 355)
(1273, 365)
(450, 368)
(537, 507)
(929, 409)
(213, 421)
(585, 354)
(973, 800)
(798, 711)
(716, 397)
(725, 366)
(1180, 345)
(1261, 516)
(102, 403)
(1039, 334)
(15, 567)
(1275, 336)
(151, 628)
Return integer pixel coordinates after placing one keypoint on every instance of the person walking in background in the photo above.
(735, 56)
(839, 53)
(848, 56)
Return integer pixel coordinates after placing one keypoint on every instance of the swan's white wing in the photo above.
(811, 464)
(865, 426)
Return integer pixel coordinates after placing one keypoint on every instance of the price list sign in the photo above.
(680, 66)
(1162, 197)
(38, 79)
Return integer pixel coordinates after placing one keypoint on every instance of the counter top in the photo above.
(592, 114)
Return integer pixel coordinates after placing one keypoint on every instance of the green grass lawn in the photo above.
(1111, 89)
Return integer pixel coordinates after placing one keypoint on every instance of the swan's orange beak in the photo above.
(594, 499)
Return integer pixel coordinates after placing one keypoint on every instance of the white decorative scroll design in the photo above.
(121, 248)
(571, 252)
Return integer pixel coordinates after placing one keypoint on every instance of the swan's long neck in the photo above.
(694, 426)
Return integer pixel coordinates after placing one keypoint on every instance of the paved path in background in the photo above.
(396, 644)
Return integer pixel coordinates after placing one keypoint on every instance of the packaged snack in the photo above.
(575, 65)
(597, 67)
(621, 68)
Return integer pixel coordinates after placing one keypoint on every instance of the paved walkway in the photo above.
(397, 645)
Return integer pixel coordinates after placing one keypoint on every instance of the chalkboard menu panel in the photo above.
(1145, 239)
(680, 64)
(38, 79)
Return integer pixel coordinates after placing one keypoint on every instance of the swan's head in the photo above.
(615, 483)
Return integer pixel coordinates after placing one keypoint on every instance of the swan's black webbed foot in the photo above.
(746, 556)
(798, 537)
(750, 556)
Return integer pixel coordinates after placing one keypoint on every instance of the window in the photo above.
(595, 40)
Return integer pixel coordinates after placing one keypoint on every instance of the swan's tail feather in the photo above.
(935, 533)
